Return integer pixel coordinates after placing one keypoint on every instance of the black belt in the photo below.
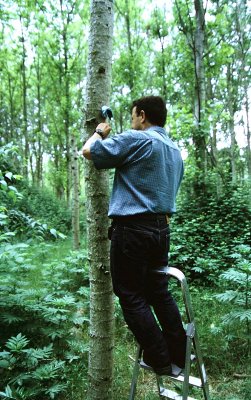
(142, 217)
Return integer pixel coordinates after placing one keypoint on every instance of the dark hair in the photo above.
(154, 108)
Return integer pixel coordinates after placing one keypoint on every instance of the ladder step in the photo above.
(194, 381)
(170, 394)
(177, 375)
(176, 371)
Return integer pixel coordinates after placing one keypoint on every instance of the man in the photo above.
(148, 173)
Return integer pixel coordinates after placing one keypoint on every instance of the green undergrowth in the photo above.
(43, 321)
(224, 385)
(225, 356)
(46, 300)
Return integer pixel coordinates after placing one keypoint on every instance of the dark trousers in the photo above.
(140, 245)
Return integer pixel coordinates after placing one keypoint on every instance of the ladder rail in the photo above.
(176, 273)
(192, 338)
(135, 374)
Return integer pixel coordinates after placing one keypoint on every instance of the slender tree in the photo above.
(241, 17)
(24, 96)
(101, 299)
(75, 193)
(194, 31)
(131, 62)
(200, 95)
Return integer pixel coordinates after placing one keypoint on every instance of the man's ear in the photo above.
(143, 115)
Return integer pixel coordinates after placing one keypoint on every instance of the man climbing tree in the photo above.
(101, 303)
(145, 158)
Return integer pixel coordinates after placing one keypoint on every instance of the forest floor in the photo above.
(226, 361)
(224, 352)
(234, 384)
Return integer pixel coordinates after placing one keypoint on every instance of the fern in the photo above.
(34, 355)
(18, 343)
(237, 316)
(9, 318)
(239, 277)
(7, 394)
(20, 393)
(48, 371)
(55, 389)
(24, 224)
(235, 276)
(227, 296)
(47, 314)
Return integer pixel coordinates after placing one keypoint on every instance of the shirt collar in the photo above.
(158, 129)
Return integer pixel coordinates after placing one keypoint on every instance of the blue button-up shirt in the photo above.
(148, 173)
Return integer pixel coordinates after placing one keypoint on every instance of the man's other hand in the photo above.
(105, 128)
(86, 150)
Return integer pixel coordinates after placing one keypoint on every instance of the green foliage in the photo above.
(41, 204)
(203, 237)
(28, 227)
(8, 192)
(14, 197)
(31, 372)
(227, 375)
(45, 301)
(42, 318)
(8, 156)
(238, 278)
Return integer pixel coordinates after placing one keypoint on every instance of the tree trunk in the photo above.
(75, 194)
(58, 178)
(11, 105)
(241, 20)
(101, 298)
(24, 95)
(231, 123)
(196, 41)
(199, 98)
(129, 41)
(66, 94)
(248, 134)
(38, 145)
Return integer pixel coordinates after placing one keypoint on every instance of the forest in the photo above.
(62, 333)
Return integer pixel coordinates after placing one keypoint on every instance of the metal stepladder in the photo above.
(182, 376)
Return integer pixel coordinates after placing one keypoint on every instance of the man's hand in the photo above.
(86, 150)
(105, 128)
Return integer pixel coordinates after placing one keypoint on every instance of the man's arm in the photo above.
(86, 150)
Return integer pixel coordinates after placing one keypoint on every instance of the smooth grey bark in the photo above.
(75, 194)
(11, 90)
(231, 110)
(200, 96)
(199, 38)
(101, 297)
(248, 134)
(161, 34)
(38, 146)
(66, 19)
(244, 41)
(24, 100)
(195, 37)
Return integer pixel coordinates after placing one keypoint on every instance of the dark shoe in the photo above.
(178, 363)
(167, 370)
(163, 370)
(181, 364)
